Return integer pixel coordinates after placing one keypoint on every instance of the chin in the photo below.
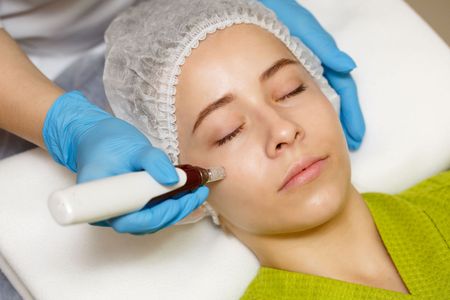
(316, 209)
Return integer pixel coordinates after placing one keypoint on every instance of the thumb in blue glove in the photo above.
(338, 65)
(95, 144)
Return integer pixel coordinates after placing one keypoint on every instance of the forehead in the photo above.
(230, 56)
(238, 42)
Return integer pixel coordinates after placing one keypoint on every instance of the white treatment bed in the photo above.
(403, 78)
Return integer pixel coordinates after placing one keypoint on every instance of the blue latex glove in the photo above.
(337, 64)
(91, 142)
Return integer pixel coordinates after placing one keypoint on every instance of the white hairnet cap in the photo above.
(148, 44)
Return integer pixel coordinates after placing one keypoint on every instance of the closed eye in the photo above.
(230, 136)
(295, 92)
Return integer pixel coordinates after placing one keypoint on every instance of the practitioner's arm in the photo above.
(84, 138)
(25, 93)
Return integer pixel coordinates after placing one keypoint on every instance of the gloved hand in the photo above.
(337, 64)
(91, 142)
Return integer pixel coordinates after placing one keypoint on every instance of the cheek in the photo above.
(321, 123)
(246, 192)
(233, 196)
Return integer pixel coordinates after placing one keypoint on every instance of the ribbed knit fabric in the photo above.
(415, 228)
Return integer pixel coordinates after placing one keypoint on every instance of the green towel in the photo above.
(415, 228)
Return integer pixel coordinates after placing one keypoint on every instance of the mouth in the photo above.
(303, 172)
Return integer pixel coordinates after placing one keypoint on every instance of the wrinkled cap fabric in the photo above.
(148, 44)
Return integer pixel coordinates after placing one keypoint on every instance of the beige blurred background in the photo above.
(436, 13)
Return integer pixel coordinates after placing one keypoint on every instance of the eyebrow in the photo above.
(228, 98)
(277, 66)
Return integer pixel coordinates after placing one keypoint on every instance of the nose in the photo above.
(283, 133)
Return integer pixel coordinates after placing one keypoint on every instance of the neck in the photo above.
(347, 247)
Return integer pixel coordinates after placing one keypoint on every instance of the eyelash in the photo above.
(230, 136)
(295, 92)
(238, 130)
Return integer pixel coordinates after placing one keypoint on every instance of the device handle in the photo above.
(107, 197)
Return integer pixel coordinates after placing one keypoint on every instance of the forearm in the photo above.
(25, 93)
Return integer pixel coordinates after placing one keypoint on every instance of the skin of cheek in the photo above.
(234, 197)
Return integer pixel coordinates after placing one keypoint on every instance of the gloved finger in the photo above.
(101, 224)
(350, 115)
(93, 171)
(150, 220)
(167, 213)
(157, 164)
(351, 143)
(305, 26)
(98, 170)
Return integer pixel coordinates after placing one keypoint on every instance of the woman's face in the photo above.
(245, 103)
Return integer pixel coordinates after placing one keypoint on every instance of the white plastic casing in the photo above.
(106, 198)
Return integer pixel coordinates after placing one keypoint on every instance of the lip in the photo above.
(303, 171)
